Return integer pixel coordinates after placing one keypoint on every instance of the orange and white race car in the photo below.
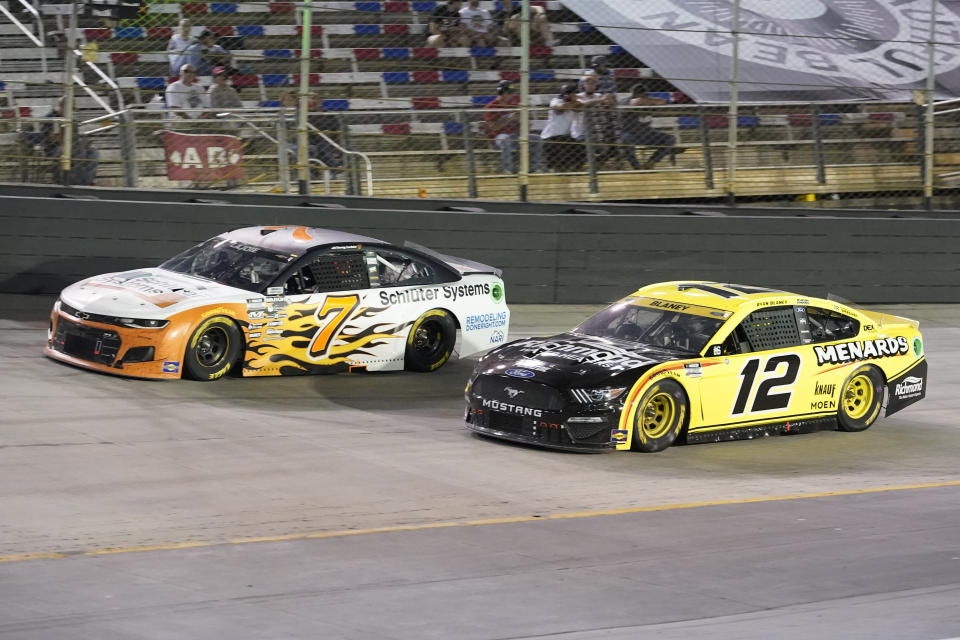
(281, 300)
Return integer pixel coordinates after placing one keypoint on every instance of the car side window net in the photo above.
(330, 272)
(773, 328)
(395, 268)
(826, 325)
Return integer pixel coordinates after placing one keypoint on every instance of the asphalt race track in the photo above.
(359, 507)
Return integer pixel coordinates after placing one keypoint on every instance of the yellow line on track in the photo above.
(471, 523)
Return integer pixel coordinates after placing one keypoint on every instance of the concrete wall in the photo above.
(46, 243)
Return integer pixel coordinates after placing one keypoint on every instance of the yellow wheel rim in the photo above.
(657, 415)
(858, 396)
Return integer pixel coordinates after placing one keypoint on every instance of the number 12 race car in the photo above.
(699, 362)
(277, 301)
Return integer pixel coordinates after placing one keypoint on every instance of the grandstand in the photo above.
(413, 110)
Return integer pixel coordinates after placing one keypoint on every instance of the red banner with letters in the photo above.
(203, 157)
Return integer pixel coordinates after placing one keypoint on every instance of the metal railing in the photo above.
(821, 149)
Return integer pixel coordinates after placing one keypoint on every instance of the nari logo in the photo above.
(911, 385)
(496, 337)
(519, 373)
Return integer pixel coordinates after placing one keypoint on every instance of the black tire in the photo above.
(860, 398)
(430, 341)
(212, 349)
(660, 417)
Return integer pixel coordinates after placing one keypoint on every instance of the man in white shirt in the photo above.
(564, 128)
(601, 119)
(186, 99)
(480, 27)
(178, 42)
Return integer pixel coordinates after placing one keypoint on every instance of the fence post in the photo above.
(732, 113)
(351, 181)
(928, 117)
(524, 146)
(303, 163)
(468, 153)
(283, 162)
(591, 158)
(817, 143)
(128, 143)
(705, 141)
(66, 146)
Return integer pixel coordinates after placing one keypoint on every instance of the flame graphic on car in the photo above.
(287, 352)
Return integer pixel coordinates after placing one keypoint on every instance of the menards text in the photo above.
(861, 350)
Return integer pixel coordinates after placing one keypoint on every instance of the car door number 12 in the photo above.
(773, 392)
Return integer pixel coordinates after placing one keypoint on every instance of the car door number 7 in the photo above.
(773, 392)
(322, 339)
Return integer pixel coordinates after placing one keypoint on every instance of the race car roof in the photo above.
(295, 239)
(717, 295)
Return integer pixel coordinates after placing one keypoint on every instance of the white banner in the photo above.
(790, 50)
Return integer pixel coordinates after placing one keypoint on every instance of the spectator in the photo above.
(564, 127)
(203, 53)
(186, 98)
(480, 27)
(638, 130)
(178, 42)
(222, 95)
(446, 28)
(327, 124)
(503, 123)
(539, 25)
(601, 120)
(319, 147)
(83, 155)
(606, 82)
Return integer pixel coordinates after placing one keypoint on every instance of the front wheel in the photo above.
(860, 399)
(212, 350)
(660, 417)
(430, 341)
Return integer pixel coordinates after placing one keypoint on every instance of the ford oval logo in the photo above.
(519, 373)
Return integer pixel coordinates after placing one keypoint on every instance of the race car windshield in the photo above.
(235, 264)
(655, 326)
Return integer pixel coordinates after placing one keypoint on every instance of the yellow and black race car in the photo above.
(699, 362)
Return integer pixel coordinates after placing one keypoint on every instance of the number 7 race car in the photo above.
(699, 362)
(277, 301)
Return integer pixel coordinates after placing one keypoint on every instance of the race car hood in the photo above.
(146, 293)
(571, 360)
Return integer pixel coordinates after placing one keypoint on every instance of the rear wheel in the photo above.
(860, 399)
(430, 341)
(660, 417)
(212, 350)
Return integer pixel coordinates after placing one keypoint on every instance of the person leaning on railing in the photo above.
(84, 156)
(637, 130)
(601, 119)
(319, 148)
(564, 126)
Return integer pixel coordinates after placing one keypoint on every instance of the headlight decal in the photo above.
(591, 396)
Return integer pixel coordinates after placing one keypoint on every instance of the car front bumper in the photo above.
(138, 353)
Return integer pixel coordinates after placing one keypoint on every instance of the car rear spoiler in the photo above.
(461, 265)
